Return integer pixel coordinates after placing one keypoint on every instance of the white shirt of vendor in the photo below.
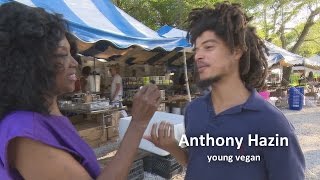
(115, 80)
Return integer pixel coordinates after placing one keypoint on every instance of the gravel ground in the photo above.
(307, 125)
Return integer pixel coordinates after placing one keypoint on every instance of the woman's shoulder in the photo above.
(25, 121)
(17, 117)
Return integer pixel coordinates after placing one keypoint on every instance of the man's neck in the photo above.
(228, 93)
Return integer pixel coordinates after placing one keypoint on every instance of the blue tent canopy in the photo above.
(105, 31)
(276, 54)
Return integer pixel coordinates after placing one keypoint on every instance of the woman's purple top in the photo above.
(55, 131)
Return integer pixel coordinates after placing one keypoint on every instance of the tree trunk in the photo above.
(305, 30)
(286, 76)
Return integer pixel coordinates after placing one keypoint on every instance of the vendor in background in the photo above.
(302, 80)
(310, 77)
(311, 82)
(182, 84)
(84, 82)
(116, 85)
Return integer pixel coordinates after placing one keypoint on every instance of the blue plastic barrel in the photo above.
(295, 100)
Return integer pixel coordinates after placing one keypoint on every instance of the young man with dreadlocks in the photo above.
(230, 58)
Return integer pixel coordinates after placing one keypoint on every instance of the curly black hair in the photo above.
(29, 38)
(230, 23)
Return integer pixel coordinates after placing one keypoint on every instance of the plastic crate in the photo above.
(168, 174)
(295, 100)
(136, 172)
(166, 166)
(139, 177)
(159, 162)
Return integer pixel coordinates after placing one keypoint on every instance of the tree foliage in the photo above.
(291, 24)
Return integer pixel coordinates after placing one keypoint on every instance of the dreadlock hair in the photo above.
(230, 24)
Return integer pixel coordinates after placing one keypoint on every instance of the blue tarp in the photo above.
(100, 20)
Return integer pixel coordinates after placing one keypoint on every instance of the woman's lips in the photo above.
(72, 77)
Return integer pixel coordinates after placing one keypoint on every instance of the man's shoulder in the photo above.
(274, 118)
(200, 101)
(270, 110)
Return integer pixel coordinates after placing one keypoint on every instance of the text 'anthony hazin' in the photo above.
(253, 140)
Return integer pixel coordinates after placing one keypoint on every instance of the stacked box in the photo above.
(164, 166)
(92, 133)
(113, 131)
(136, 172)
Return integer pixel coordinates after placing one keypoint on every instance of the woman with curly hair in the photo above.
(36, 140)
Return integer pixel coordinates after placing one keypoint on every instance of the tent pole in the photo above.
(186, 73)
(94, 74)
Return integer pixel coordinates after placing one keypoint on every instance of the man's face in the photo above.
(214, 59)
(113, 71)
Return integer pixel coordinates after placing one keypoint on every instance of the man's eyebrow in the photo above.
(210, 40)
(207, 41)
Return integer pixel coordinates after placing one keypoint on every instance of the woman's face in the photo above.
(67, 66)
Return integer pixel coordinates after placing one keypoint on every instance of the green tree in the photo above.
(290, 24)
(276, 20)
(156, 13)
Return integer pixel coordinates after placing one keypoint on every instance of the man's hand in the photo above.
(164, 139)
(145, 103)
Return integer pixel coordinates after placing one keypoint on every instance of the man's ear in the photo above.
(237, 53)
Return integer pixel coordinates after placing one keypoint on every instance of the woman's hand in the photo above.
(145, 103)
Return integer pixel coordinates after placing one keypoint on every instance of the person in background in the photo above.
(311, 82)
(116, 84)
(182, 79)
(84, 82)
(302, 79)
(36, 141)
(310, 77)
(230, 58)
(152, 82)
